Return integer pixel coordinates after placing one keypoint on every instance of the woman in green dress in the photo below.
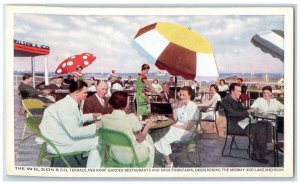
(141, 84)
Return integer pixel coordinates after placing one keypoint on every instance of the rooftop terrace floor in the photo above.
(26, 151)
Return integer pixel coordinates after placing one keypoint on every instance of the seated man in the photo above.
(166, 93)
(68, 80)
(128, 83)
(237, 113)
(62, 124)
(244, 96)
(208, 107)
(57, 85)
(98, 102)
(27, 91)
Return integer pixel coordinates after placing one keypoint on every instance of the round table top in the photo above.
(162, 124)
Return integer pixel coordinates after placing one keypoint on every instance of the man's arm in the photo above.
(234, 110)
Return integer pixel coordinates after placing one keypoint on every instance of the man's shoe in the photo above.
(267, 152)
(261, 159)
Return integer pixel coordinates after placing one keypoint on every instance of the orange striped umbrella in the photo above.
(180, 51)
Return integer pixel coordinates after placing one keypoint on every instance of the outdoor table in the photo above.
(152, 96)
(276, 128)
(160, 129)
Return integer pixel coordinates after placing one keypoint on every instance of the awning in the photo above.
(27, 49)
(21, 50)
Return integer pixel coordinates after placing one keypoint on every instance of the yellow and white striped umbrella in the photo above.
(180, 51)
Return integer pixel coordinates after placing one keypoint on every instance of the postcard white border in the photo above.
(286, 171)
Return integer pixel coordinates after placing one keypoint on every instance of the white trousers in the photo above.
(89, 144)
(163, 145)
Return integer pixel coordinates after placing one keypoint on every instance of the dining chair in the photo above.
(32, 107)
(21, 112)
(109, 138)
(234, 134)
(193, 140)
(33, 124)
(213, 120)
(278, 145)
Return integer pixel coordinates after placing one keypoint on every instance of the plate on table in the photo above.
(162, 118)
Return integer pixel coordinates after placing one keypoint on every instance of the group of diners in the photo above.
(72, 122)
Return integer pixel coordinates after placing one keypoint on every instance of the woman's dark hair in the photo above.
(222, 80)
(190, 91)
(155, 80)
(79, 66)
(269, 88)
(26, 76)
(118, 100)
(145, 66)
(77, 86)
(240, 79)
(215, 87)
(232, 86)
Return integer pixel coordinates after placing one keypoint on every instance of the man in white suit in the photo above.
(62, 123)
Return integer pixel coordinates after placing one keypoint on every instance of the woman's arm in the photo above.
(210, 102)
(188, 126)
(140, 137)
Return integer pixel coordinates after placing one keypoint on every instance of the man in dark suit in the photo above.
(27, 91)
(98, 102)
(166, 93)
(236, 112)
(58, 85)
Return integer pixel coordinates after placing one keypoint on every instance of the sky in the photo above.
(110, 38)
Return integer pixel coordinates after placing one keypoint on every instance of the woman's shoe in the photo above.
(169, 165)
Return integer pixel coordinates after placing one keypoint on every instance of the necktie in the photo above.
(166, 94)
(102, 101)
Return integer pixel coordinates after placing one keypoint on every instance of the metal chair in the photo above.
(214, 120)
(234, 134)
(193, 140)
(32, 107)
(33, 124)
(109, 138)
(278, 145)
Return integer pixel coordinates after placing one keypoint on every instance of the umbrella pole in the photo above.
(46, 75)
(33, 71)
(175, 87)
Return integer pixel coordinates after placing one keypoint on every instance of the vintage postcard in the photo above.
(219, 57)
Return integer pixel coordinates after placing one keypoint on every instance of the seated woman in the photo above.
(156, 85)
(266, 103)
(129, 124)
(186, 115)
(223, 88)
(211, 103)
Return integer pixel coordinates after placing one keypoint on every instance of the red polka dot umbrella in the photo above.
(70, 64)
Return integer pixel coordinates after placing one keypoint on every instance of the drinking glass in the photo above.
(153, 118)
